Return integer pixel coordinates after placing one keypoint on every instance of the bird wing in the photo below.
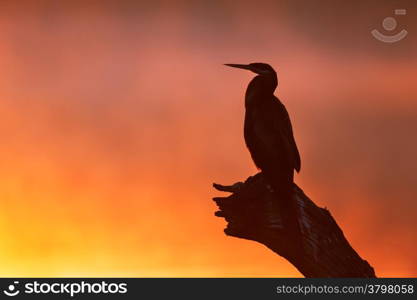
(282, 124)
(269, 137)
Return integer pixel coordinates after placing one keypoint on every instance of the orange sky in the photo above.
(116, 119)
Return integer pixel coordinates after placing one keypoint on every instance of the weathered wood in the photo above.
(252, 213)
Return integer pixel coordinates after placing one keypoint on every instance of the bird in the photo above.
(268, 135)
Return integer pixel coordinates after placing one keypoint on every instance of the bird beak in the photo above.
(246, 67)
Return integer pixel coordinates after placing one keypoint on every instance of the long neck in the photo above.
(260, 88)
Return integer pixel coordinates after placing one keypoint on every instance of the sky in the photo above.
(117, 116)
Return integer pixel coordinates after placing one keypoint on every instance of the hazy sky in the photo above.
(118, 115)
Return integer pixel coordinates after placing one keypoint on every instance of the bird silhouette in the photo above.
(269, 137)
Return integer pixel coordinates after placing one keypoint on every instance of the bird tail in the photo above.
(287, 205)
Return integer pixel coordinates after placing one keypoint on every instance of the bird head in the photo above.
(258, 68)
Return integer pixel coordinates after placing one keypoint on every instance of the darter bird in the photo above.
(269, 137)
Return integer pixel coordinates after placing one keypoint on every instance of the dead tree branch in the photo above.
(252, 215)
